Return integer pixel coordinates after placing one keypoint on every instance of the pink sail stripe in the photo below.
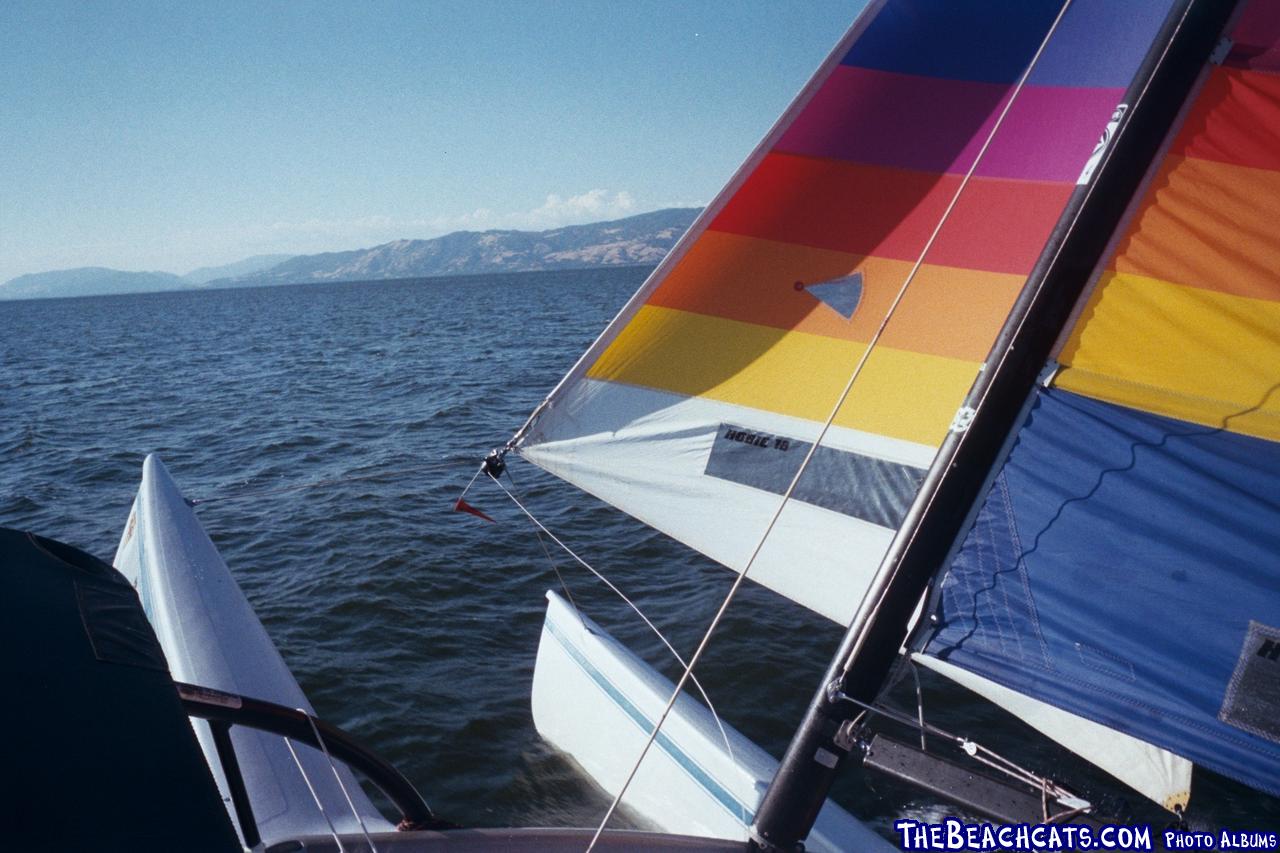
(937, 125)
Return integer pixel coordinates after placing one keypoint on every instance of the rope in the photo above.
(969, 175)
(915, 676)
(546, 552)
(332, 831)
(324, 747)
(826, 426)
(652, 627)
(970, 747)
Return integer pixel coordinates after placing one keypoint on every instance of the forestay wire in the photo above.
(724, 735)
(826, 426)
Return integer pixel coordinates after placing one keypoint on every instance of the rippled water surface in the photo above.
(331, 428)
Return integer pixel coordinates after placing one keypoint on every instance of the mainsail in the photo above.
(1123, 565)
(694, 408)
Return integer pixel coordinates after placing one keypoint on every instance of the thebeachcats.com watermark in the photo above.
(952, 834)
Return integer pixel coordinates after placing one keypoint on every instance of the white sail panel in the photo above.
(665, 458)
(1151, 771)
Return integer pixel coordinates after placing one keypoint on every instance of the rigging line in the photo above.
(547, 553)
(844, 395)
(970, 747)
(472, 481)
(332, 831)
(652, 627)
(915, 676)
(315, 730)
(973, 167)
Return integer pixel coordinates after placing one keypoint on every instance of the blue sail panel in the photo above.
(1126, 567)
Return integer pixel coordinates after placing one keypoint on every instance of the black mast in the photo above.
(965, 458)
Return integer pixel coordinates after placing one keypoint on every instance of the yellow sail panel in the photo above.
(1185, 319)
(1185, 352)
(787, 372)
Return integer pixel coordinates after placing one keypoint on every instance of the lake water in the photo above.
(330, 428)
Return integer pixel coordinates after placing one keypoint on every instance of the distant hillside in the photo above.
(88, 281)
(642, 239)
(248, 266)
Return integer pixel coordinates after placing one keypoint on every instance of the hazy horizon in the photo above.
(281, 257)
(144, 136)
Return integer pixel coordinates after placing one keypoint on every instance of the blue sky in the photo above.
(173, 135)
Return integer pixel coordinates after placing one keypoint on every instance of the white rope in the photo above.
(652, 627)
(364, 830)
(826, 426)
(332, 831)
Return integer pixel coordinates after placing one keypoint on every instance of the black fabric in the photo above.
(95, 750)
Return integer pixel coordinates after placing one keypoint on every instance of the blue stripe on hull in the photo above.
(701, 776)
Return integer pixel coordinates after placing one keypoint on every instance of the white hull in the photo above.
(596, 701)
(211, 637)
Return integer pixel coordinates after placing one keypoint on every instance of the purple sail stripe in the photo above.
(936, 125)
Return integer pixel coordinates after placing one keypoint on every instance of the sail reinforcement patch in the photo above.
(864, 487)
(1252, 701)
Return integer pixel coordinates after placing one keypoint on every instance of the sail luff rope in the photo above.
(804, 464)
(652, 627)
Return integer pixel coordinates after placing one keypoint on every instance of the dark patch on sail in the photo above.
(850, 483)
(1252, 701)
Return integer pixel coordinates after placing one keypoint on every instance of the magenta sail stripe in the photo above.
(931, 124)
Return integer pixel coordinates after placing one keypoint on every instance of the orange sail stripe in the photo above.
(1210, 225)
(948, 312)
(999, 225)
(1235, 120)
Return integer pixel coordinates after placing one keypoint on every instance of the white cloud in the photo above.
(590, 206)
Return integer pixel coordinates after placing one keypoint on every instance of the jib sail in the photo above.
(694, 408)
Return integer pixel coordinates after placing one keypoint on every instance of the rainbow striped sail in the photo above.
(694, 408)
(1125, 566)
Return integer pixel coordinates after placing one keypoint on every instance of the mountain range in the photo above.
(637, 240)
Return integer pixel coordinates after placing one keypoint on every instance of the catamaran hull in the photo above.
(596, 701)
(211, 637)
